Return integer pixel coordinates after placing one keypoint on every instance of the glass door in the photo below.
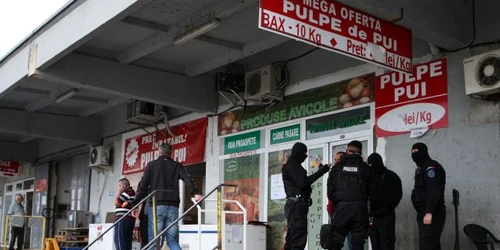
(341, 146)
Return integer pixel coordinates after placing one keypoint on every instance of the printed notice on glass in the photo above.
(277, 187)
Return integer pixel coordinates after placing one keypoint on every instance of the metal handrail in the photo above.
(153, 241)
(224, 212)
(130, 211)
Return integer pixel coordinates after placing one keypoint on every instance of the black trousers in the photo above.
(143, 229)
(429, 236)
(350, 217)
(17, 233)
(383, 235)
(296, 218)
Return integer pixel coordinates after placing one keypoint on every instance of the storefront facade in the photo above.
(255, 145)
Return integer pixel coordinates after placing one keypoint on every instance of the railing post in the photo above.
(5, 243)
(43, 232)
(219, 217)
(155, 222)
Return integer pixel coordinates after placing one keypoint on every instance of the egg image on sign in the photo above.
(358, 91)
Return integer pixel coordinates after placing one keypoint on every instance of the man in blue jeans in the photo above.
(164, 174)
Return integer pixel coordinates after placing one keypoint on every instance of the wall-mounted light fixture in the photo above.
(66, 95)
(198, 31)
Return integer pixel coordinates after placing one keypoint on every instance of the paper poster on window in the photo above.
(277, 187)
(244, 172)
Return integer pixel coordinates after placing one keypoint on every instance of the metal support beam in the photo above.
(110, 104)
(49, 126)
(53, 97)
(26, 139)
(27, 152)
(233, 55)
(133, 82)
(223, 9)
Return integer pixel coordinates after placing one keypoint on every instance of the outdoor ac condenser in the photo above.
(262, 84)
(482, 74)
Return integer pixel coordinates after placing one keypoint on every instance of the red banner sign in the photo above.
(409, 102)
(9, 168)
(188, 146)
(339, 28)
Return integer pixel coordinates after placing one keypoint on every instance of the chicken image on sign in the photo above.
(339, 28)
(411, 102)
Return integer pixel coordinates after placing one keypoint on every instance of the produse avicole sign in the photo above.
(188, 146)
(339, 28)
(410, 102)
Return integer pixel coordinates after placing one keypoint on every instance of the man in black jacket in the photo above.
(389, 193)
(164, 174)
(298, 193)
(349, 186)
(428, 198)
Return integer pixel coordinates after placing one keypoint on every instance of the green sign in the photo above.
(243, 142)
(341, 123)
(348, 121)
(344, 94)
(285, 134)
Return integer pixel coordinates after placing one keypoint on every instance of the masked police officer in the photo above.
(428, 198)
(298, 192)
(349, 187)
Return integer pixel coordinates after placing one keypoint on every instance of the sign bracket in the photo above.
(401, 16)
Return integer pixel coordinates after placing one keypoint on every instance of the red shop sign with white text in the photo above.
(339, 28)
(405, 102)
(188, 146)
(9, 168)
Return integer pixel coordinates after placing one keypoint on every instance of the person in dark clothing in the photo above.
(389, 193)
(428, 198)
(298, 193)
(349, 186)
(164, 174)
(143, 225)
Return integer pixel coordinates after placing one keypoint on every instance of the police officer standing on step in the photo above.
(298, 192)
(428, 198)
(350, 184)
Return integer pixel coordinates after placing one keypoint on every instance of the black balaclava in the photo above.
(422, 155)
(375, 160)
(299, 152)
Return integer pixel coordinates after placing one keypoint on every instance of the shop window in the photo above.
(19, 186)
(244, 172)
(29, 184)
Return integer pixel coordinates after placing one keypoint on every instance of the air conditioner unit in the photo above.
(146, 113)
(482, 74)
(263, 84)
(100, 158)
